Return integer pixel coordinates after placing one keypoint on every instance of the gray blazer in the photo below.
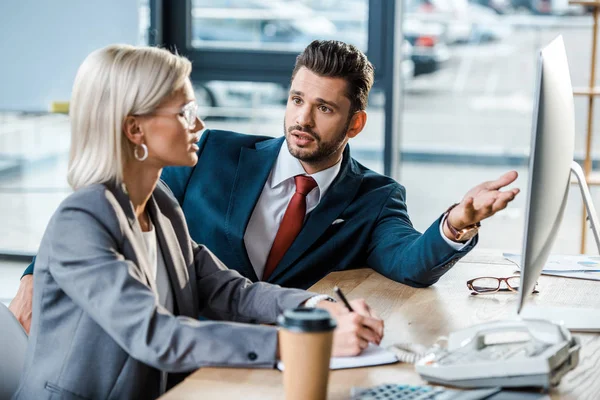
(98, 331)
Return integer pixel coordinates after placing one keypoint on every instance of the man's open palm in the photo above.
(483, 201)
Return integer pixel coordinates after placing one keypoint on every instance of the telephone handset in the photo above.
(510, 353)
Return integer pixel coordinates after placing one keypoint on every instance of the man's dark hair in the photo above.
(336, 59)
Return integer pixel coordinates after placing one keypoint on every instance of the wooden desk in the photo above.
(418, 316)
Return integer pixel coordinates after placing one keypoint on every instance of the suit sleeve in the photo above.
(85, 262)
(398, 251)
(226, 294)
(177, 178)
(29, 269)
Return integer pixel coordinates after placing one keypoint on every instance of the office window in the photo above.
(243, 52)
(34, 143)
(468, 110)
(276, 25)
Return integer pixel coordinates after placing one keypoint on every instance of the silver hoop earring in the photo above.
(144, 148)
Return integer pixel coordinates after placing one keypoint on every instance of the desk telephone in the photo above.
(511, 353)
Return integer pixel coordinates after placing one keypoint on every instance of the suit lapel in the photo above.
(338, 197)
(173, 257)
(135, 234)
(253, 169)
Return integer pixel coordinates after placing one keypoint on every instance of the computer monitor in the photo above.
(550, 167)
(552, 146)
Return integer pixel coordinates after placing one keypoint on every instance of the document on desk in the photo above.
(372, 355)
(579, 266)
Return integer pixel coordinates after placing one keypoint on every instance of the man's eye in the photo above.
(296, 100)
(325, 109)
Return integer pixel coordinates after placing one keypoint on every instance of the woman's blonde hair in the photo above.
(112, 83)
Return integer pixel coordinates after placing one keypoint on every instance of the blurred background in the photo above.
(465, 72)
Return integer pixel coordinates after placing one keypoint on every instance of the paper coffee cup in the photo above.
(305, 341)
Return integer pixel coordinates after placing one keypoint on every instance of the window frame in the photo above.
(169, 16)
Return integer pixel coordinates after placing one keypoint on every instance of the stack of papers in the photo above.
(373, 355)
(576, 266)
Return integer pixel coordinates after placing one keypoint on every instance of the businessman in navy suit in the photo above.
(235, 198)
(292, 209)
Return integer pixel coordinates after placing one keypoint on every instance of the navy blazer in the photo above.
(219, 194)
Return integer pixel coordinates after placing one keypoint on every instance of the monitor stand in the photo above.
(587, 200)
(574, 319)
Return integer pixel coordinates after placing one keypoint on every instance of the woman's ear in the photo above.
(133, 130)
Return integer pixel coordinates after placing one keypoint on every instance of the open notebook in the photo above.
(373, 355)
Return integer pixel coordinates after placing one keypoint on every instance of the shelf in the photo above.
(590, 91)
(586, 3)
(583, 91)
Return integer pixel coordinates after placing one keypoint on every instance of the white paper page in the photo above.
(564, 264)
(372, 355)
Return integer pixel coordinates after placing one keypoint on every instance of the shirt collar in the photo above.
(287, 166)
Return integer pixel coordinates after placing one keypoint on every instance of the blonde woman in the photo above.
(119, 285)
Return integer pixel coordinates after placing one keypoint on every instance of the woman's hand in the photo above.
(355, 330)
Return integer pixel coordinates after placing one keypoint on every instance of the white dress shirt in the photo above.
(159, 269)
(273, 201)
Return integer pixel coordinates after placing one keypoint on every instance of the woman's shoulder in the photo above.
(87, 206)
(97, 199)
(86, 196)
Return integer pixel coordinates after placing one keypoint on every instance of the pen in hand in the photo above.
(341, 296)
(339, 293)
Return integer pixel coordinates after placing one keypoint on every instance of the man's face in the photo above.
(317, 118)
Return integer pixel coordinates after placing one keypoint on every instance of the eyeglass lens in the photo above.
(488, 284)
(191, 114)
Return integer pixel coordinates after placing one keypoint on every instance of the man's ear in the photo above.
(357, 123)
(133, 130)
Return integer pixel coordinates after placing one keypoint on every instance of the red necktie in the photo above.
(291, 224)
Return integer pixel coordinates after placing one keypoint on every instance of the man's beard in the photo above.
(323, 151)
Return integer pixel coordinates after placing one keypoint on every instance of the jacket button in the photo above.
(252, 356)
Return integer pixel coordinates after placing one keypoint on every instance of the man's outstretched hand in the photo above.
(483, 201)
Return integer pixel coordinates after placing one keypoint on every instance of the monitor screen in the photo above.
(552, 146)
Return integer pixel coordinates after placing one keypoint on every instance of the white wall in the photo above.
(43, 42)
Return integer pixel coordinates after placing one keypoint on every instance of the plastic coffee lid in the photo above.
(305, 319)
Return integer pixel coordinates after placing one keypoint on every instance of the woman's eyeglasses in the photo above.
(488, 284)
(189, 112)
